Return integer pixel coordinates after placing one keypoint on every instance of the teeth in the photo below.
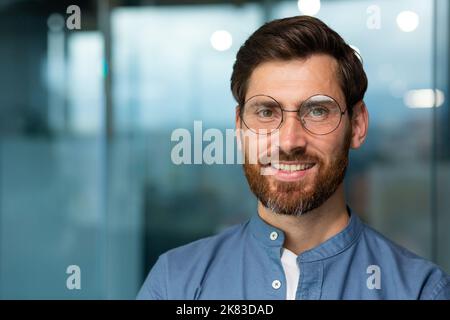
(291, 167)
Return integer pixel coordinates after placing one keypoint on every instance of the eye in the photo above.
(265, 113)
(318, 111)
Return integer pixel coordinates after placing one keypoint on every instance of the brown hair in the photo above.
(298, 37)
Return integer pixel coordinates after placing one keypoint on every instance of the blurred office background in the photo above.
(86, 117)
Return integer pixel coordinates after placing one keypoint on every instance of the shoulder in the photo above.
(405, 267)
(199, 248)
(187, 264)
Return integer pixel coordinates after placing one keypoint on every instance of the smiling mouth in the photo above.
(294, 167)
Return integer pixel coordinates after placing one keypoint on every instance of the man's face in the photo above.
(297, 190)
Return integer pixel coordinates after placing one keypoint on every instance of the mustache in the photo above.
(295, 156)
(292, 156)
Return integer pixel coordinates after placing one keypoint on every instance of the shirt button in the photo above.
(273, 236)
(276, 284)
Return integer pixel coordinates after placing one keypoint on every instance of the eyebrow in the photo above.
(324, 99)
(270, 103)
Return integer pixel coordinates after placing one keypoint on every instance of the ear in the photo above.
(238, 127)
(360, 124)
(238, 118)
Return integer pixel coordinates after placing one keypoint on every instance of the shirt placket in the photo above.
(310, 281)
(277, 280)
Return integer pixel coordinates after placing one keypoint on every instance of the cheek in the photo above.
(328, 150)
(338, 151)
(261, 147)
(338, 142)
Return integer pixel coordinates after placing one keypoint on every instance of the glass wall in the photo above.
(87, 118)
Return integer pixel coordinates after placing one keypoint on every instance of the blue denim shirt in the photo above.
(243, 262)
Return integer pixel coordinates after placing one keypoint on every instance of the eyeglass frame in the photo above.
(341, 113)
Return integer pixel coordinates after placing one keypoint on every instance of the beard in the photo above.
(302, 196)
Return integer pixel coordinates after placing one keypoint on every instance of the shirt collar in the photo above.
(270, 236)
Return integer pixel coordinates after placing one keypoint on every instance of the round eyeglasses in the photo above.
(319, 114)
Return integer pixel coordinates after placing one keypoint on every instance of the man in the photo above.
(297, 79)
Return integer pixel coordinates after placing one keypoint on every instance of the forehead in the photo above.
(293, 81)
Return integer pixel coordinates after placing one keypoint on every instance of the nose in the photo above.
(292, 134)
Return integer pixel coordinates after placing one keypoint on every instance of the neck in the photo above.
(309, 230)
